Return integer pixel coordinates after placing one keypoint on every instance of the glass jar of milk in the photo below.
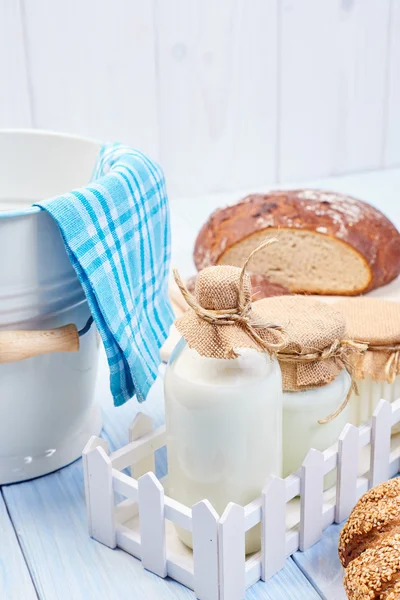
(223, 397)
(315, 383)
(302, 412)
(375, 323)
(224, 429)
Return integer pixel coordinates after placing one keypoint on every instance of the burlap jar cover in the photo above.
(222, 317)
(316, 350)
(376, 323)
(313, 329)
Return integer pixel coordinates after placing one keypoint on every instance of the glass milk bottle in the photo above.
(375, 323)
(316, 386)
(223, 415)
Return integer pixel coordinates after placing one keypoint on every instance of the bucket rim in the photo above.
(7, 214)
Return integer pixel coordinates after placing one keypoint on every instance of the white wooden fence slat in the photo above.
(346, 489)
(252, 513)
(152, 524)
(253, 569)
(273, 527)
(180, 573)
(99, 493)
(125, 511)
(364, 433)
(330, 459)
(380, 443)
(311, 498)
(141, 425)
(394, 466)
(362, 486)
(292, 542)
(231, 547)
(395, 412)
(178, 513)
(91, 445)
(125, 485)
(292, 486)
(328, 515)
(205, 551)
(135, 451)
(129, 541)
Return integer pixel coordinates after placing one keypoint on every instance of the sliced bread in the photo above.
(328, 243)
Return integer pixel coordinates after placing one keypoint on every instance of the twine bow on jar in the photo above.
(222, 316)
(339, 351)
(392, 364)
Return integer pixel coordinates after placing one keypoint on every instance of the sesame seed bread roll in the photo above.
(376, 572)
(369, 545)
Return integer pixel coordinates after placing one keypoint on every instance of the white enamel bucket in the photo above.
(47, 409)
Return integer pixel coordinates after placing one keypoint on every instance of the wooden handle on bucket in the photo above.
(18, 345)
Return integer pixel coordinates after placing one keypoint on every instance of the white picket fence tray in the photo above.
(293, 512)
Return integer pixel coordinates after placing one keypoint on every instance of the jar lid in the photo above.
(314, 353)
(221, 318)
(375, 322)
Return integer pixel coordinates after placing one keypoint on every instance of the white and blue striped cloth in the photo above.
(116, 232)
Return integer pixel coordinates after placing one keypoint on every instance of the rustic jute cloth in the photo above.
(224, 323)
(221, 318)
(313, 329)
(375, 323)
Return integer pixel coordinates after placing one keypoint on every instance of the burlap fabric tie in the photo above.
(375, 323)
(316, 351)
(222, 318)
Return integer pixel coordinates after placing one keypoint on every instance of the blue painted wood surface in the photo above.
(321, 564)
(15, 580)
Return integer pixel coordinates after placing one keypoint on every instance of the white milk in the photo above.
(301, 430)
(224, 429)
(370, 393)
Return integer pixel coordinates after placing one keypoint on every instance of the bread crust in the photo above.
(358, 225)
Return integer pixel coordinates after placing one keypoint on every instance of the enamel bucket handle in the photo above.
(18, 345)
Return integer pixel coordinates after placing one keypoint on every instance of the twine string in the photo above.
(392, 365)
(240, 315)
(339, 350)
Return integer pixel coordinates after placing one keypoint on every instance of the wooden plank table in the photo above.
(45, 551)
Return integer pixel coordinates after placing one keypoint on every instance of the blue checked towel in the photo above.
(116, 232)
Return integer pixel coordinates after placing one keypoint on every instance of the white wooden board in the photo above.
(15, 580)
(217, 93)
(332, 86)
(15, 109)
(92, 67)
(392, 126)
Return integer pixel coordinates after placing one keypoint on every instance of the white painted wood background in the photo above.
(226, 95)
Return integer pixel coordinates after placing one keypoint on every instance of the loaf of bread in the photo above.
(369, 545)
(328, 243)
